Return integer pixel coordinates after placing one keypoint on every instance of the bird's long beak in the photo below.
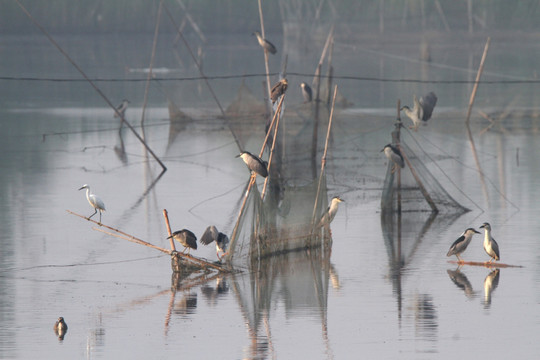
(81, 188)
(238, 155)
(478, 232)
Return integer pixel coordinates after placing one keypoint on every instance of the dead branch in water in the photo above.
(484, 264)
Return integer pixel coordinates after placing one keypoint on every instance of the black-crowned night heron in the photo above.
(60, 328)
(121, 109)
(421, 110)
(490, 245)
(186, 238)
(254, 163)
(460, 245)
(94, 201)
(306, 92)
(330, 212)
(265, 44)
(394, 155)
(222, 241)
(278, 89)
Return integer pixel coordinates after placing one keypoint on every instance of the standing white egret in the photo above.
(94, 201)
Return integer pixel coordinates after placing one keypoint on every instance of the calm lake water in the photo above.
(367, 299)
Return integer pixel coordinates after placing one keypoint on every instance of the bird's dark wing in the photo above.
(428, 103)
(270, 47)
(452, 250)
(495, 248)
(210, 234)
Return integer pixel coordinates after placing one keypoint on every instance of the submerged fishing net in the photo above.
(416, 188)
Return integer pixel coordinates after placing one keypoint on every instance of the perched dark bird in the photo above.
(306, 92)
(490, 245)
(394, 155)
(265, 44)
(222, 241)
(254, 163)
(60, 328)
(121, 109)
(278, 89)
(186, 238)
(421, 110)
(330, 212)
(460, 245)
(94, 201)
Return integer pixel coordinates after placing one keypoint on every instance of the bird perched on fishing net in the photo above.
(265, 44)
(306, 92)
(121, 109)
(186, 238)
(460, 245)
(422, 109)
(60, 328)
(330, 212)
(94, 201)
(211, 234)
(394, 155)
(490, 245)
(254, 163)
(278, 89)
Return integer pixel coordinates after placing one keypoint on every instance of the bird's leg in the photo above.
(460, 260)
(95, 212)
(394, 167)
(100, 216)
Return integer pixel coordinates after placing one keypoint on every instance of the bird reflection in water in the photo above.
(490, 284)
(60, 328)
(213, 293)
(187, 305)
(461, 281)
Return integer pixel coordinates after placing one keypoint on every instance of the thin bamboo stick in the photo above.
(151, 66)
(485, 264)
(130, 238)
(166, 216)
(261, 18)
(419, 182)
(272, 151)
(323, 159)
(98, 90)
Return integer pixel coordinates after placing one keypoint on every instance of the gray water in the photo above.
(117, 296)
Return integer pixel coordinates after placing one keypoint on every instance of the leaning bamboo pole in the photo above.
(267, 68)
(151, 65)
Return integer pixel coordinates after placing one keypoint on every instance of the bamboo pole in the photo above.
(268, 85)
(276, 128)
(467, 119)
(171, 240)
(323, 159)
(151, 65)
(98, 90)
(123, 235)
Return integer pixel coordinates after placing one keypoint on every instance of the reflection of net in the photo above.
(420, 190)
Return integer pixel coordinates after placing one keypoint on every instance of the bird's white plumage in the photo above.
(94, 201)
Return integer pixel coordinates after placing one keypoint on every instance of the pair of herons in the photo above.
(490, 245)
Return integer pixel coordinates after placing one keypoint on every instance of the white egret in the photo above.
(94, 201)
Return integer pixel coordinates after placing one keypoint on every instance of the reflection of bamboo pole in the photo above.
(397, 141)
(98, 90)
(469, 134)
(485, 264)
(323, 159)
(150, 67)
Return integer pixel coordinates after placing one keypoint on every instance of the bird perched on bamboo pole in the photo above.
(278, 89)
(330, 212)
(265, 44)
(94, 201)
(490, 245)
(121, 109)
(211, 234)
(422, 109)
(254, 163)
(460, 245)
(60, 328)
(394, 155)
(186, 238)
(306, 92)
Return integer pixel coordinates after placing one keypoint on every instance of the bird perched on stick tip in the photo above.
(460, 245)
(265, 44)
(186, 238)
(278, 89)
(422, 109)
(121, 109)
(94, 201)
(394, 155)
(254, 163)
(306, 92)
(490, 245)
(330, 212)
(222, 241)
